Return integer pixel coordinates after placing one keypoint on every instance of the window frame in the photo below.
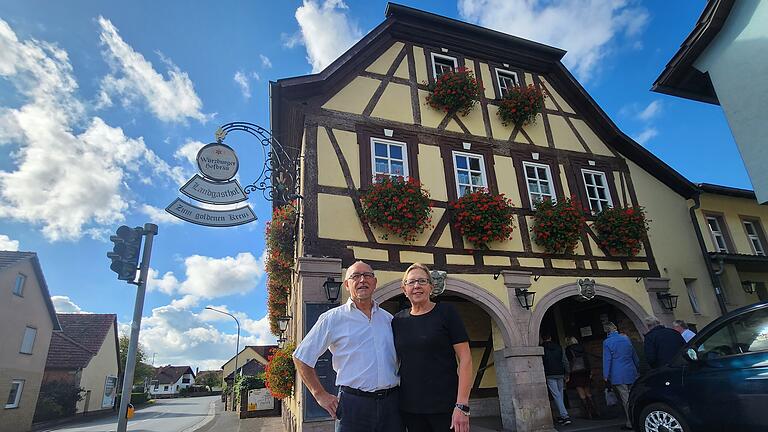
(606, 186)
(693, 297)
(434, 55)
(723, 231)
(499, 72)
(17, 399)
(548, 170)
(740, 317)
(483, 171)
(758, 236)
(388, 142)
(24, 340)
(18, 287)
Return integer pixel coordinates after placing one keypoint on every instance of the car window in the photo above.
(743, 334)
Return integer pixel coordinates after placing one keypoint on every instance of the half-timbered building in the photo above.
(366, 114)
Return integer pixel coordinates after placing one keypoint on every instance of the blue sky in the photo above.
(102, 104)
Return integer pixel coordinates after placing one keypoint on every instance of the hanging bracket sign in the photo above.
(206, 191)
(214, 218)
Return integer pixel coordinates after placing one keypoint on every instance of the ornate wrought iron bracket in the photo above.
(278, 179)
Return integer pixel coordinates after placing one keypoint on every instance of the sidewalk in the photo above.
(262, 424)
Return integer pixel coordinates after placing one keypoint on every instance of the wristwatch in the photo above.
(463, 408)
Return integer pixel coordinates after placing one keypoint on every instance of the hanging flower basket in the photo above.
(454, 92)
(279, 263)
(280, 373)
(557, 226)
(620, 231)
(520, 106)
(397, 206)
(483, 217)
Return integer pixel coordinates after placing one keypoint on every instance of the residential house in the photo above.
(252, 367)
(86, 354)
(717, 63)
(260, 353)
(170, 380)
(27, 321)
(366, 115)
(202, 377)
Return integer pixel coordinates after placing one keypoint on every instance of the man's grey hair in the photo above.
(610, 327)
(353, 264)
(680, 323)
(651, 322)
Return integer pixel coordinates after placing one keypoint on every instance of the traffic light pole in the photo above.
(150, 230)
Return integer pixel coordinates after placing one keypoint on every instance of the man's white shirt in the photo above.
(363, 350)
(687, 334)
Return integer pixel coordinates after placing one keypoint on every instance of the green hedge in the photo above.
(139, 398)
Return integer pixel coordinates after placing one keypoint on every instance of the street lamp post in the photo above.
(237, 347)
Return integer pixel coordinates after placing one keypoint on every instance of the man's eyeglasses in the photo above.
(414, 282)
(359, 276)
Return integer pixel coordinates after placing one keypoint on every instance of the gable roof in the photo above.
(10, 258)
(81, 338)
(727, 190)
(679, 77)
(171, 374)
(405, 23)
(263, 350)
(252, 367)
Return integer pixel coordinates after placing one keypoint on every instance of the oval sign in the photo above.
(217, 161)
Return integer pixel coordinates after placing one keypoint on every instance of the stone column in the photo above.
(515, 280)
(656, 286)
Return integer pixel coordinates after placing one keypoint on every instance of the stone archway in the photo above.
(487, 301)
(629, 306)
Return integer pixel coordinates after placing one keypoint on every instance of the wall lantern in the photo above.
(332, 289)
(667, 300)
(748, 287)
(282, 323)
(525, 297)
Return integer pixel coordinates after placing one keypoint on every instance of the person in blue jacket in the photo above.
(620, 363)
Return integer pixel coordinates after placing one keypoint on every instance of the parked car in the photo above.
(717, 382)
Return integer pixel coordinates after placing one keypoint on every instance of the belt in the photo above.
(378, 394)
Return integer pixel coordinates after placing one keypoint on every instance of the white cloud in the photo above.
(291, 40)
(651, 111)
(167, 284)
(242, 81)
(70, 181)
(6, 244)
(646, 135)
(586, 29)
(159, 215)
(133, 77)
(326, 31)
(63, 304)
(265, 61)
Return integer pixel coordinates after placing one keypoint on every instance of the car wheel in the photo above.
(659, 417)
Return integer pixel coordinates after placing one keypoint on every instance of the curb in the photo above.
(206, 420)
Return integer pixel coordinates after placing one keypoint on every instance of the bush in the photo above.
(520, 106)
(140, 398)
(280, 374)
(398, 206)
(483, 217)
(57, 399)
(454, 92)
(620, 231)
(557, 226)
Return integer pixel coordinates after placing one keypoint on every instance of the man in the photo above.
(620, 365)
(359, 335)
(661, 343)
(681, 327)
(555, 369)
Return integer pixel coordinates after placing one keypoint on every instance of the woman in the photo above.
(429, 338)
(581, 375)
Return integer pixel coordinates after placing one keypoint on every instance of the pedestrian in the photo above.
(359, 335)
(581, 375)
(429, 338)
(555, 369)
(661, 343)
(620, 365)
(681, 327)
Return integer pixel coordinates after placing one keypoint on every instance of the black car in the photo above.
(717, 382)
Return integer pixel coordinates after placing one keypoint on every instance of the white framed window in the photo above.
(754, 238)
(598, 194)
(690, 287)
(165, 388)
(18, 288)
(14, 396)
(538, 179)
(470, 173)
(718, 236)
(28, 343)
(506, 80)
(442, 64)
(389, 158)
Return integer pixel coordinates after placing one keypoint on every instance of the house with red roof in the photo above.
(170, 380)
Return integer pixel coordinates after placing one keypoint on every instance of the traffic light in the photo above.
(125, 254)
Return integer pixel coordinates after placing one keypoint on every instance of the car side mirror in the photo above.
(691, 355)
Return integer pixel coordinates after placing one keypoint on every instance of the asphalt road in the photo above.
(165, 415)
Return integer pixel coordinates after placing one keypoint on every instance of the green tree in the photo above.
(143, 370)
(211, 380)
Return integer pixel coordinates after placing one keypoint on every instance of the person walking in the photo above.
(556, 368)
(359, 335)
(681, 327)
(581, 375)
(620, 365)
(661, 343)
(429, 338)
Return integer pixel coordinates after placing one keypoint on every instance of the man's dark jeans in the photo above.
(368, 414)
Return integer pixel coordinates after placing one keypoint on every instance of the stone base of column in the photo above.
(523, 397)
